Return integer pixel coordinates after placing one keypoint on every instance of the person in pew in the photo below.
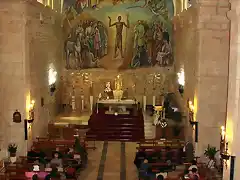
(82, 151)
(54, 173)
(32, 155)
(143, 170)
(70, 171)
(35, 177)
(70, 153)
(150, 174)
(160, 177)
(194, 174)
(140, 156)
(193, 166)
(56, 161)
(48, 177)
(57, 150)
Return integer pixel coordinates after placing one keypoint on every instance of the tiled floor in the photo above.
(115, 161)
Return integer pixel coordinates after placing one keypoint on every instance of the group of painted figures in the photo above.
(86, 44)
(152, 45)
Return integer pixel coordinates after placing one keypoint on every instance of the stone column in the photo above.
(233, 103)
(210, 94)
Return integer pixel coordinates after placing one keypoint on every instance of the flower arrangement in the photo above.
(210, 152)
(12, 149)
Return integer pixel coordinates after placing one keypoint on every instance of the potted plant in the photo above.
(210, 152)
(12, 149)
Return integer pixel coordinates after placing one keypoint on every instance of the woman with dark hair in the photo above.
(160, 177)
(47, 177)
(35, 177)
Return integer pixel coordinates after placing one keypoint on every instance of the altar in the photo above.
(117, 107)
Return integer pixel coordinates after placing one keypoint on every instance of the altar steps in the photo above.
(116, 128)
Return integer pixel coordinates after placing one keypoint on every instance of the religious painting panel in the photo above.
(118, 34)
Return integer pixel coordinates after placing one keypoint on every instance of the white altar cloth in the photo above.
(115, 101)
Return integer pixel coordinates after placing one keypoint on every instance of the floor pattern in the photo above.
(102, 161)
(123, 162)
(111, 160)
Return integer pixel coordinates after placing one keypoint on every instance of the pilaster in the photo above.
(212, 70)
(233, 103)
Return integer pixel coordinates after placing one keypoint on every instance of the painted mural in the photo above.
(117, 34)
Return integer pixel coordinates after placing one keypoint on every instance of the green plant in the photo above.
(210, 152)
(12, 148)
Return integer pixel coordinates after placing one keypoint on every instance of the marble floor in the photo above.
(111, 160)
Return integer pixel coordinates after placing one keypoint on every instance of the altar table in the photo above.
(117, 102)
(121, 104)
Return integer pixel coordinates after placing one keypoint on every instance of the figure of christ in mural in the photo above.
(119, 31)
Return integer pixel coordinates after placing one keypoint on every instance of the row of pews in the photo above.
(157, 151)
(22, 169)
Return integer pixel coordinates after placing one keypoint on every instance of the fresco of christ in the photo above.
(119, 31)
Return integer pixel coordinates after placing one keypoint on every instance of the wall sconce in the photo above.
(52, 89)
(181, 81)
(31, 112)
(224, 145)
(52, 78)
(193, 123)
(181, 89)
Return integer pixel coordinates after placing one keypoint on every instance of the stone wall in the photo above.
(27, 47)
(44, 40)
(205, 60)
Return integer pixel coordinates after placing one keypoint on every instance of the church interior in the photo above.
(119, 89)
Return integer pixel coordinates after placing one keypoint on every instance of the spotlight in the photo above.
(115, 113)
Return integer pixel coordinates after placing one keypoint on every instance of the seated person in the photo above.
(70, 172)
(70, 153)
(160, 177)
(144, 169)
(58, 151)
(150, 174)
(56, 160)
(35, 177)
(54, 173)
(194, 174)
(139, 158)
(194, 165)
(32, 155)
(47, 177)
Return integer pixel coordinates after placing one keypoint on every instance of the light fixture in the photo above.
(193, 123)
(224, 145)
(115, 113)
(52, 78)
(181, 81)
(31, 110)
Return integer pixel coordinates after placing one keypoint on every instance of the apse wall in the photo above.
(30, 42)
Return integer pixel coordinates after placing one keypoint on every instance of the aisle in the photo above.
(111, 160)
